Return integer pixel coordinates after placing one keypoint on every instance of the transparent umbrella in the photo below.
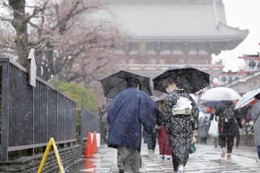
(220, 94)
(247, 98)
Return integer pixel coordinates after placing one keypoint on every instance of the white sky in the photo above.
(243, 14)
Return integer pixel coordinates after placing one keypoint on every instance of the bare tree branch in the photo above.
(67, 44)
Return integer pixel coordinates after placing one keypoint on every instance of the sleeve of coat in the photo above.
(147, 113)
(256, 111)
(194, 114)
(211, 117)
(169, 101)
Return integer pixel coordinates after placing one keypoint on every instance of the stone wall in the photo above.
(69, 156)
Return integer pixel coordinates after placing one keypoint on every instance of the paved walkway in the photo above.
(205, 160)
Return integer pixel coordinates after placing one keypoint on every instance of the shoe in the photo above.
(180, 169)
(162, 157)
(229, 156)
(168, 158)
(223, 153)
(151, 153)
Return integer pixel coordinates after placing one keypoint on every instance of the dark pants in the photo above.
(128, 159)
(237, 138)
(258, 151)
(203, 140)
(215, 141)
(226, 141)
(176, 162)
(151, 141)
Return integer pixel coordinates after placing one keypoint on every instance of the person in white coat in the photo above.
(256, 117)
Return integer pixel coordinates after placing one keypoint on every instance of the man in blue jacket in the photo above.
(128, 111)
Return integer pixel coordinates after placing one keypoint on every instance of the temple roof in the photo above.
(175, 20)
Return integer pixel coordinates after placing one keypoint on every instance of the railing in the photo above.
(31, 115)
(89, 122)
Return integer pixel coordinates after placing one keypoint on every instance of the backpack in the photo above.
(229, 116)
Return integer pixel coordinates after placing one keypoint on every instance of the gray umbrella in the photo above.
(117, 82)
(188, 78)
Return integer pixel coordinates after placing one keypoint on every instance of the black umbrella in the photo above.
(188, 78)
(115, 83)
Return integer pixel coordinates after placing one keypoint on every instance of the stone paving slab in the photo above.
(205, 160)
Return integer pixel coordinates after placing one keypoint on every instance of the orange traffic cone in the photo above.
(89, 164)
(94, 142)
(88, 147)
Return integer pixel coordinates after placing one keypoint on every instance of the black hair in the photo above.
(257, 96)
(133, 83)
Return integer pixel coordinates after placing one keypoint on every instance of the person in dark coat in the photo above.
(256, 118)
(238, 115)
(211, 111)
(227, 127)
(180, 116)
(203, 126)
(128, 111)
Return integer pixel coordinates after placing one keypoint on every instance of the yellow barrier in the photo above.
(57, 155)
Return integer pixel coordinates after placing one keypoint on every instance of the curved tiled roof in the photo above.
(175, 20)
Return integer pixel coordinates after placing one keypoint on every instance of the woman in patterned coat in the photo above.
(179, 121)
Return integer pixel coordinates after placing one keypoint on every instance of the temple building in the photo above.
(172, 33)
(250, 75)
(250, 67)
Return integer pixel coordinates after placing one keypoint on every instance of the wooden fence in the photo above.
(31, 115)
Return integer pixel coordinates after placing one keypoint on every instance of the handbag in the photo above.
(192, 148)
(182, 107)
(213, 129)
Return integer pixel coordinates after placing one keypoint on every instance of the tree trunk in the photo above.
(19, 22)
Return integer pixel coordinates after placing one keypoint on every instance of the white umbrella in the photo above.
(195, 98)
(247, 98)
(220, 94)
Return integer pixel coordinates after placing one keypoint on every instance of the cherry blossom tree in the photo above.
(70, 39)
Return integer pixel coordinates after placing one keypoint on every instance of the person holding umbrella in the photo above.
(180, 112)
(256, 117)
(128, 111)
(227, 124)
(179, 116)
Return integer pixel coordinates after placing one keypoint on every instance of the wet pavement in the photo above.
(205, 160)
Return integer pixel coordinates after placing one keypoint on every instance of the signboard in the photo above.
(32, 70)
